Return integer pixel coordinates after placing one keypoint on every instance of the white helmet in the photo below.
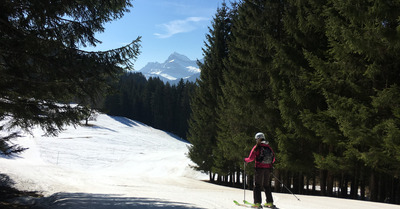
(259, 135)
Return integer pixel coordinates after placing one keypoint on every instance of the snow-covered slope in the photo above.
(175, 68)
(119, 163)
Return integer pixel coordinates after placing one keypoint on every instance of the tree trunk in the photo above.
(212, 176)
(354, 185)
(301, 183)
(277, 185)
(344, 186)
(308, 185)
(394, 191)
(373, 188)
(296, 183)
(322, 177)
(314, 184)
(329, 185)
(238, 177)
(381, 188)
(362, 188)
(288, 181)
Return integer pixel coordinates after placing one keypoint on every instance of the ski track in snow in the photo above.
(119, 163)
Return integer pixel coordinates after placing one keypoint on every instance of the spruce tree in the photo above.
(363, 64)
(182, 110)
(301, 103)
(247, 105)
(42, 69)
(352, 73)
(202, 125)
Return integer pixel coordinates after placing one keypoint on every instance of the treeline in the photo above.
(152, 102)
(320, 78)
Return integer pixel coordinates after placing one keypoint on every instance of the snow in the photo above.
(120, 163)
(177, 66)
(193, 69)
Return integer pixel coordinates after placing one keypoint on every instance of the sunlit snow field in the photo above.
(120, 163)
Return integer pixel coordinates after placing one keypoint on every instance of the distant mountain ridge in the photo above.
(175, 68)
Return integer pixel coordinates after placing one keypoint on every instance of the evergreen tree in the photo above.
(327, 75)
(302, 31)
(152, 102)
(41, 67)
(182, 108)
(202, 125)
(339, 41)
(363, 64)
(247, 106)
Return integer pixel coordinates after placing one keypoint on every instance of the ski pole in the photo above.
(285, 186)
(244, 181)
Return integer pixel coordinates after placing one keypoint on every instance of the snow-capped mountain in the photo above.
(175, 68)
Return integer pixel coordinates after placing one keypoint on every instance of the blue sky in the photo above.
(166, 26)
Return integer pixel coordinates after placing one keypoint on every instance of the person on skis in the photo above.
(264, 156)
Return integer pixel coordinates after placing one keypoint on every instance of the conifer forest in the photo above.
(151, 101)
(321, 78)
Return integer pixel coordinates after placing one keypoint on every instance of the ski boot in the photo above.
(269, 205)
(257, 205)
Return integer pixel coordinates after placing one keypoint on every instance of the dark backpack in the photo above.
(266, 155)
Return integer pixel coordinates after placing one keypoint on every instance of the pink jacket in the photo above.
(255, 152)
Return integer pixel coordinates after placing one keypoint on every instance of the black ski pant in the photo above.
(262, 181)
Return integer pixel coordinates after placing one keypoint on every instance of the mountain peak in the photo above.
(175, 68)
(177, 56)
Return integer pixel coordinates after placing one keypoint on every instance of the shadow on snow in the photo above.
(127, 121)
(106, 201)
(131, 123)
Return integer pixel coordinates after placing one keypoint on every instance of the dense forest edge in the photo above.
(320, 79)
(151, 101)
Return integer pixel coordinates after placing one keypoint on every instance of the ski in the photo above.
(246, 204)
(252, 205)
(241, 204)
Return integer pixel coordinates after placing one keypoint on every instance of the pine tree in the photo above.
(42, 70)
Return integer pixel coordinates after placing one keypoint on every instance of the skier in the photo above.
(264, 156)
